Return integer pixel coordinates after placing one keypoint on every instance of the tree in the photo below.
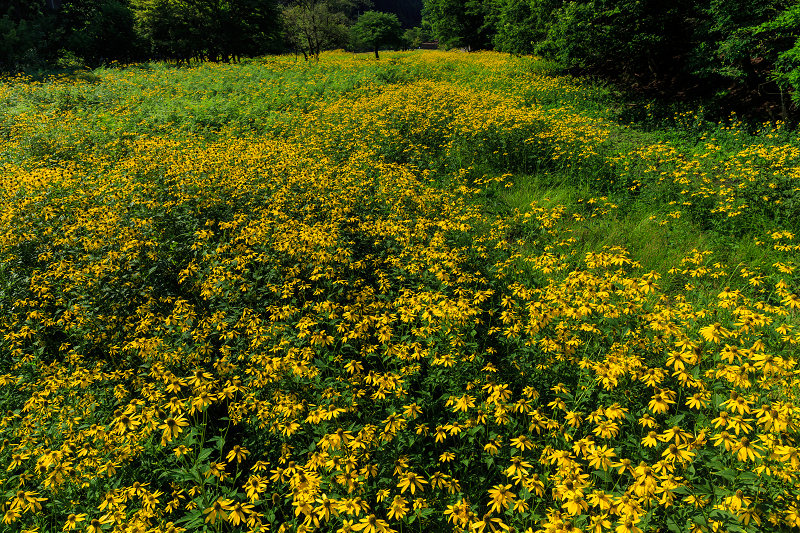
(640, 40)
(522, 24)
(414, 37)
(311, 26)
(27, 34)
(207, 29)
(779, 37)
(725, 43)
(377, 29)
(461, 23)
(98, 30)
(171, 29)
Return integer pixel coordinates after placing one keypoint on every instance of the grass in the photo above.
(438, 292)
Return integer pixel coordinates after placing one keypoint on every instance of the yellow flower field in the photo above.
(291, 297)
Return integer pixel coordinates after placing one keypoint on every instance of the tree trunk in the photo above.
(376, 52)
(784, 108)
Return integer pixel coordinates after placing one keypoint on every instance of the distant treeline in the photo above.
(743, 48)
(46, 33)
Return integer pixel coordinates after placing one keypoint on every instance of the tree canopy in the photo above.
(99, 31)
(376, 29)
(751, 45)
(729, 46)
(311, 26)
(460, 23)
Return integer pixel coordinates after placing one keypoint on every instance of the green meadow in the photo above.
(436, 292)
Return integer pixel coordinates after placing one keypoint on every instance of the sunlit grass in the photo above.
(440, 292)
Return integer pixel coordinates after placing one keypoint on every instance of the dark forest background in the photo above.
(743, 54)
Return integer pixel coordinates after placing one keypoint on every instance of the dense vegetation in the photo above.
(731, 55)
(439, 292)
(747, 51)
(69, 33)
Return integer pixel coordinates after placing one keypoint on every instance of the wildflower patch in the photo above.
(314, 312)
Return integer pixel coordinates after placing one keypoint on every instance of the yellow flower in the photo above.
(181, 450)
(326, 508)
(347, 527)
(352, 506)
(199, 377)
(522, 443)
(574, 419)
(172, 428)
(628, 526)
(518, 466)
(29, 501)
(788, 454)
(494, 524)
(410, 481)
(677, 453)
(599, 524)
(660, 402)
(492, 446)
(606, 429)
(12, 515)
(372, 524)
(698, 400)
(237, 452)
(72, 521)
(600, 457)
(398, 509)
(714, 332)
(575, 504)
(521, 506)
(724, 438)
(746, 450)
(239, 512)
(502, 497)
(217, 510)
(215, 469)
(16, 460)
(461, 404)
(95, 526)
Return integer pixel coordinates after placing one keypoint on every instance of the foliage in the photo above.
(171, 29)
(99, 31)
(620, 36)
(311, 26)
(381, 296)
(20, 37)
(522, 24)
(24, 32)
(103, 31)
(457, 23)
(414, 37)
(711, 48)
(375, 29)
(783, 34)
(213, 30)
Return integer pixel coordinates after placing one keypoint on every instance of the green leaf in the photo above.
(675, 420)
(674, 527)
(728, 473)
(603, 475)
(192, 520)
(204, 454)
